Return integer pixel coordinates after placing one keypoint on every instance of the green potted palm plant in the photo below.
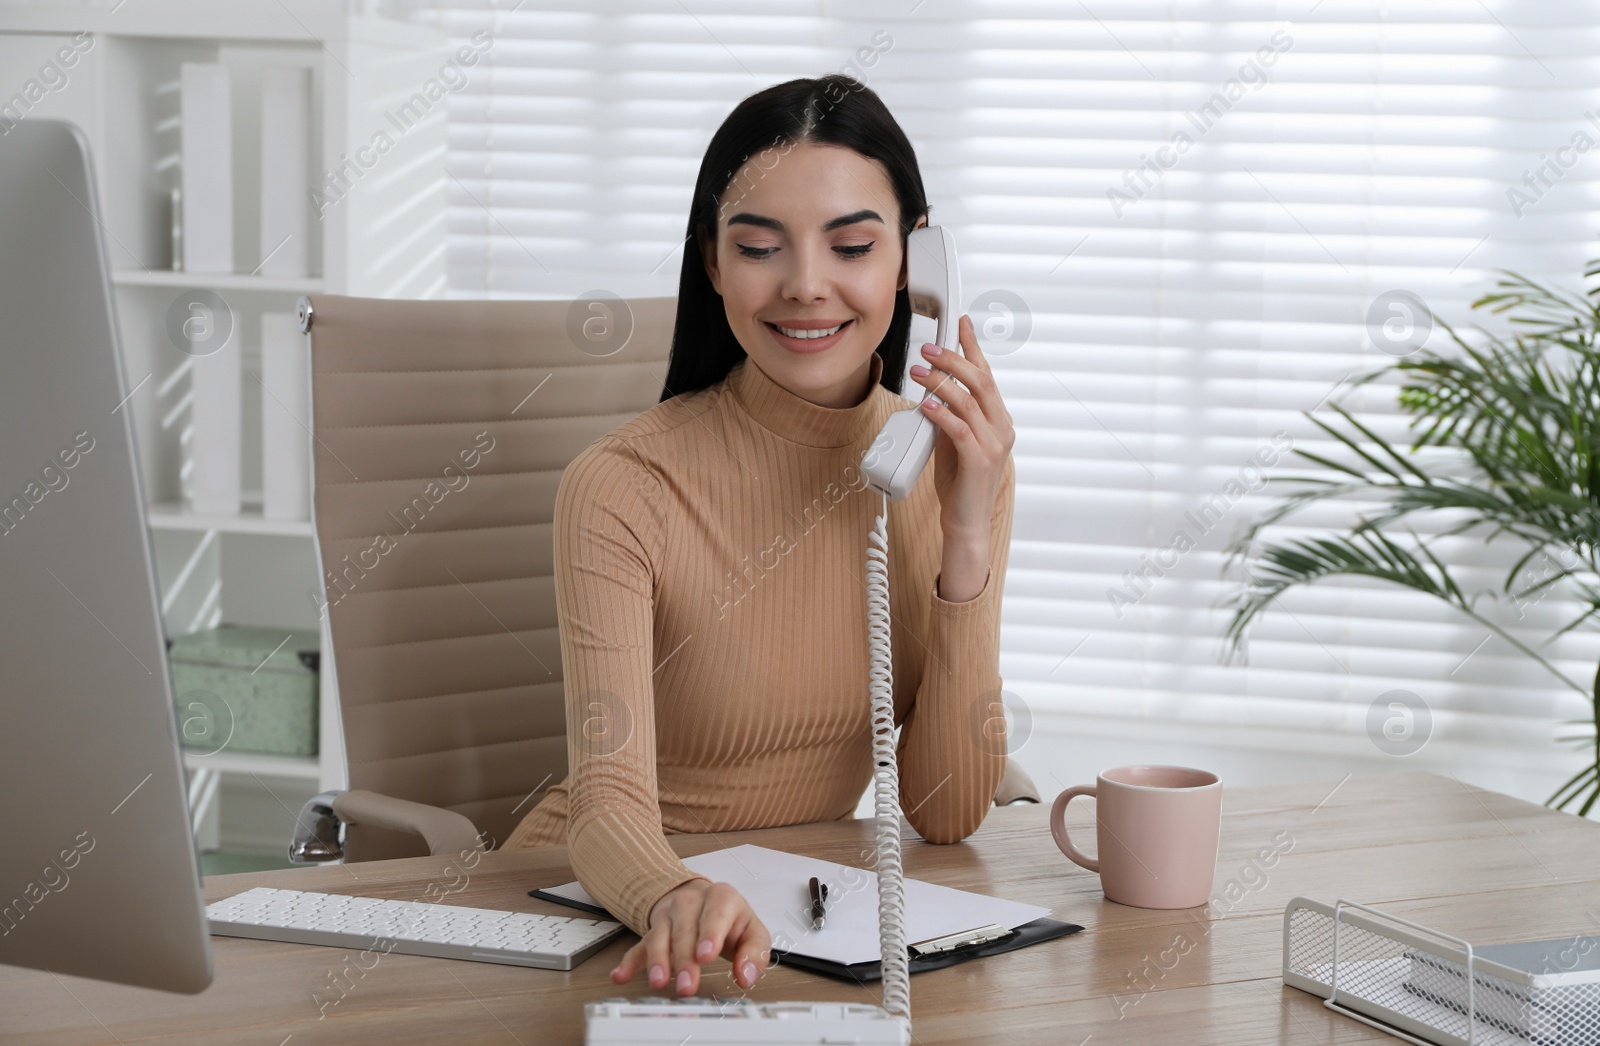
(1506, 446)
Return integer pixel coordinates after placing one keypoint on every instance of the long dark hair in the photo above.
(829, 110)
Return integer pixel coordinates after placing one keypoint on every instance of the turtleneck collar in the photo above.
(799, 420)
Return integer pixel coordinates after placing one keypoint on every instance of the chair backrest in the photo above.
(441, 430)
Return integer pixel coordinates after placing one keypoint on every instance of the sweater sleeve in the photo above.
(607, 541)
(952, 748)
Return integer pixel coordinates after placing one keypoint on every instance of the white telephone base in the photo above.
(671, 1022)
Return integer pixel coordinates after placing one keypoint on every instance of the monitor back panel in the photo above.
(98, 869)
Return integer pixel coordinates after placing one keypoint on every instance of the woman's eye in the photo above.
(851, 251)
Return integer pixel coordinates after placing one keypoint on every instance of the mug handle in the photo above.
(1058, 828)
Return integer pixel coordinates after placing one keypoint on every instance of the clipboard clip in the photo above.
(952, 941)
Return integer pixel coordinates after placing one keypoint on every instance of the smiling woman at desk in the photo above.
(710, 553)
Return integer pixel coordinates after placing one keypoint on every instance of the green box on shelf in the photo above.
(240, 688)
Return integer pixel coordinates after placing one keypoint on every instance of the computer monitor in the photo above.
(99, 875)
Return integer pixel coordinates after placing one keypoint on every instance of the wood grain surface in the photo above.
(1470, 862)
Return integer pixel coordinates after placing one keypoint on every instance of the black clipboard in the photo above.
(1035, 932)
(866, 972)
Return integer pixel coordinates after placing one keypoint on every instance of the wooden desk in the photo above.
(1470, 862)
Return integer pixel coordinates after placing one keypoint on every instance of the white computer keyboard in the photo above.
(675, 1021)
(549, 942)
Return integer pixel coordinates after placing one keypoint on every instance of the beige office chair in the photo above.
(441, 430)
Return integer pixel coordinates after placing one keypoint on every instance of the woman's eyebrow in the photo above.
(746, 218)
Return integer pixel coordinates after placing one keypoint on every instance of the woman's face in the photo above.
(809, 244)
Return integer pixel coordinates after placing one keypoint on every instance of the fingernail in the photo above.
(931, 350)
(705, 948)
(615, 970)
(683, 980)
(750, 971)
(919, 370)
(657, 974)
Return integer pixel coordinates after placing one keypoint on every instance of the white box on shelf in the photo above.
(216, 381)
(285, 169)
(285, 417)
(206, 153)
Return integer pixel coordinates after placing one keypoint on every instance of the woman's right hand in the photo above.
(694, 923)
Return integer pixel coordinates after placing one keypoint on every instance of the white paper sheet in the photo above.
(775, 883)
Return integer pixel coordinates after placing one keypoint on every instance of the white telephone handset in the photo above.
(933, 283)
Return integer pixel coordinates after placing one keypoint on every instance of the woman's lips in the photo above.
(808, 344)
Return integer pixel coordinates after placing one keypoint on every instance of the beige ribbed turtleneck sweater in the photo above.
(710, 571)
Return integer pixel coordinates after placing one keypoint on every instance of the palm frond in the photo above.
(1363, 553)
(1512, 425)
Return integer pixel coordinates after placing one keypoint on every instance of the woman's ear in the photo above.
(708, 254)
(922, 221)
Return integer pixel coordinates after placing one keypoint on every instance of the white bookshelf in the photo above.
(382, 237)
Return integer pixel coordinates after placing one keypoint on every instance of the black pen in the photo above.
(819, 894)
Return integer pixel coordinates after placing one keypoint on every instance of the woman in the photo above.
(710, 554)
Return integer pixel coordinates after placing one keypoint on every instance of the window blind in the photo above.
(1181, 226)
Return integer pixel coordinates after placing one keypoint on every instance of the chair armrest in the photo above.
(1015, 786)
(316, 836)
(445, 831)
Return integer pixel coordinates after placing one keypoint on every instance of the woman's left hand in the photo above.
(974, 438)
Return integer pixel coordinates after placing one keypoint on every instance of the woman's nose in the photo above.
(806, 279)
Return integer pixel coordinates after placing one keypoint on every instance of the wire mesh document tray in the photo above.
(1413, 982)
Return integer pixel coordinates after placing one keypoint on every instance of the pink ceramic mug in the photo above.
(1157, 828)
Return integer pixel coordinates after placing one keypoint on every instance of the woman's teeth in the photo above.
(809, 334)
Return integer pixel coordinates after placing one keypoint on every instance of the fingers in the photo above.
(949, 417)
(658, 949)
(939, 373)
(729, 927)
(969, 340)
(978, 409)
(970, 366)
(623, 972)
(986, 388)
(721, 905)
(650, 953)
(685, 926)
(694, 929)
(753, 953)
